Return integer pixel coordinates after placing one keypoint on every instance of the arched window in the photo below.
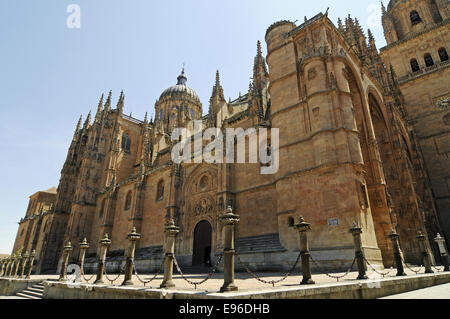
(160, 191)
(161, 114)
(102, 210)
(443, 54)
(204, 183)
(126, 142)
(128, 201)
(415, 17)
(414, 65)
(428, 60)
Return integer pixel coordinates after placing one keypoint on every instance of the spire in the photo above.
(217, 95)
(371, 39)
(88, 121)
(145, 118)
(383, 8)
(99, 108)
(340, 25)
(79, 124)
(108, 102)
(120, 103)
(260, 74)
(182, 79)
(259, 50)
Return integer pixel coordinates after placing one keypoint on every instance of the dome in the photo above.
(180, 90)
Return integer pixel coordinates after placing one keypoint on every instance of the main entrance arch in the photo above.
(202, 244)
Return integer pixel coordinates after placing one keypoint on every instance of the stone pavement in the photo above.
(437, 292)
(244, 281)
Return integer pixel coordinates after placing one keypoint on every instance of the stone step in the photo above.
(32, 293)
(24, 295)
(36, 289)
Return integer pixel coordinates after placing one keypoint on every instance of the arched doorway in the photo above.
(202, 244)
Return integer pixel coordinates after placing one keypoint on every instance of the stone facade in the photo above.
(417, 34)
(347, 153)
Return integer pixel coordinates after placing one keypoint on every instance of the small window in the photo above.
(161, 115)
(428, 60)
(203, 183)
(414, 65)
(128, 201)
(443, 54)
(126, 142)
(291, 222)
(160, 191)
(415, 17)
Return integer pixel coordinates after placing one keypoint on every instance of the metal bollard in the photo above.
(66, 254)
(393, 236)
(171, 232)
(84, 246)
(30, 264)
(24, 264)
(359, 254)
(229, 220)
(303, 229)
(444, 255)
(104, 243)
(425, 255)
(132, 237)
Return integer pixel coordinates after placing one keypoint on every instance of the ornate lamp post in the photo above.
(303, 229)
(24, 264)
(104, 244)
(66, 254)
(84, 246)
(393, 236)
(30, 264)
(171, 232)
(444, 255)
(359, 254)
(132, 237)
(425, 255)
(229, 220)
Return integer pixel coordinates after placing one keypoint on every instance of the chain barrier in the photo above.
(271, 282)
(154, 277)
(439, 270)
(83, 275)
(118, 276)
(414, 271)
(195, 284)
(336, 277)
(384, 274)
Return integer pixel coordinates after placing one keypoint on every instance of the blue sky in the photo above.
(51, 74)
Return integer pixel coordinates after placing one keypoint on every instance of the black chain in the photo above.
(271, 282)
(154, 277)
(84, 277)
(414, 271)
(384, 274)
(195, 284)
(118, 276)
(336, 277)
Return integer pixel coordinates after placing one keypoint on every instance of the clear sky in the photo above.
(51, 74)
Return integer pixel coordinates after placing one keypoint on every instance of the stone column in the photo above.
(303, 229)
(444, 255)
(132, 237)
(393, 236)
(24, 264)
(229, 220)
(3, 266)
(66, 254)
(171, 232)
(12, 265)
(84, 246)
(30, 264)
(425, 255)
(359, 254)
(104, 244)
(18, 261)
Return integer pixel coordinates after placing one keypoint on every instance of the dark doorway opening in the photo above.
(202, 244)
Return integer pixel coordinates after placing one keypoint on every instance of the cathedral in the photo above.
(363, 136)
